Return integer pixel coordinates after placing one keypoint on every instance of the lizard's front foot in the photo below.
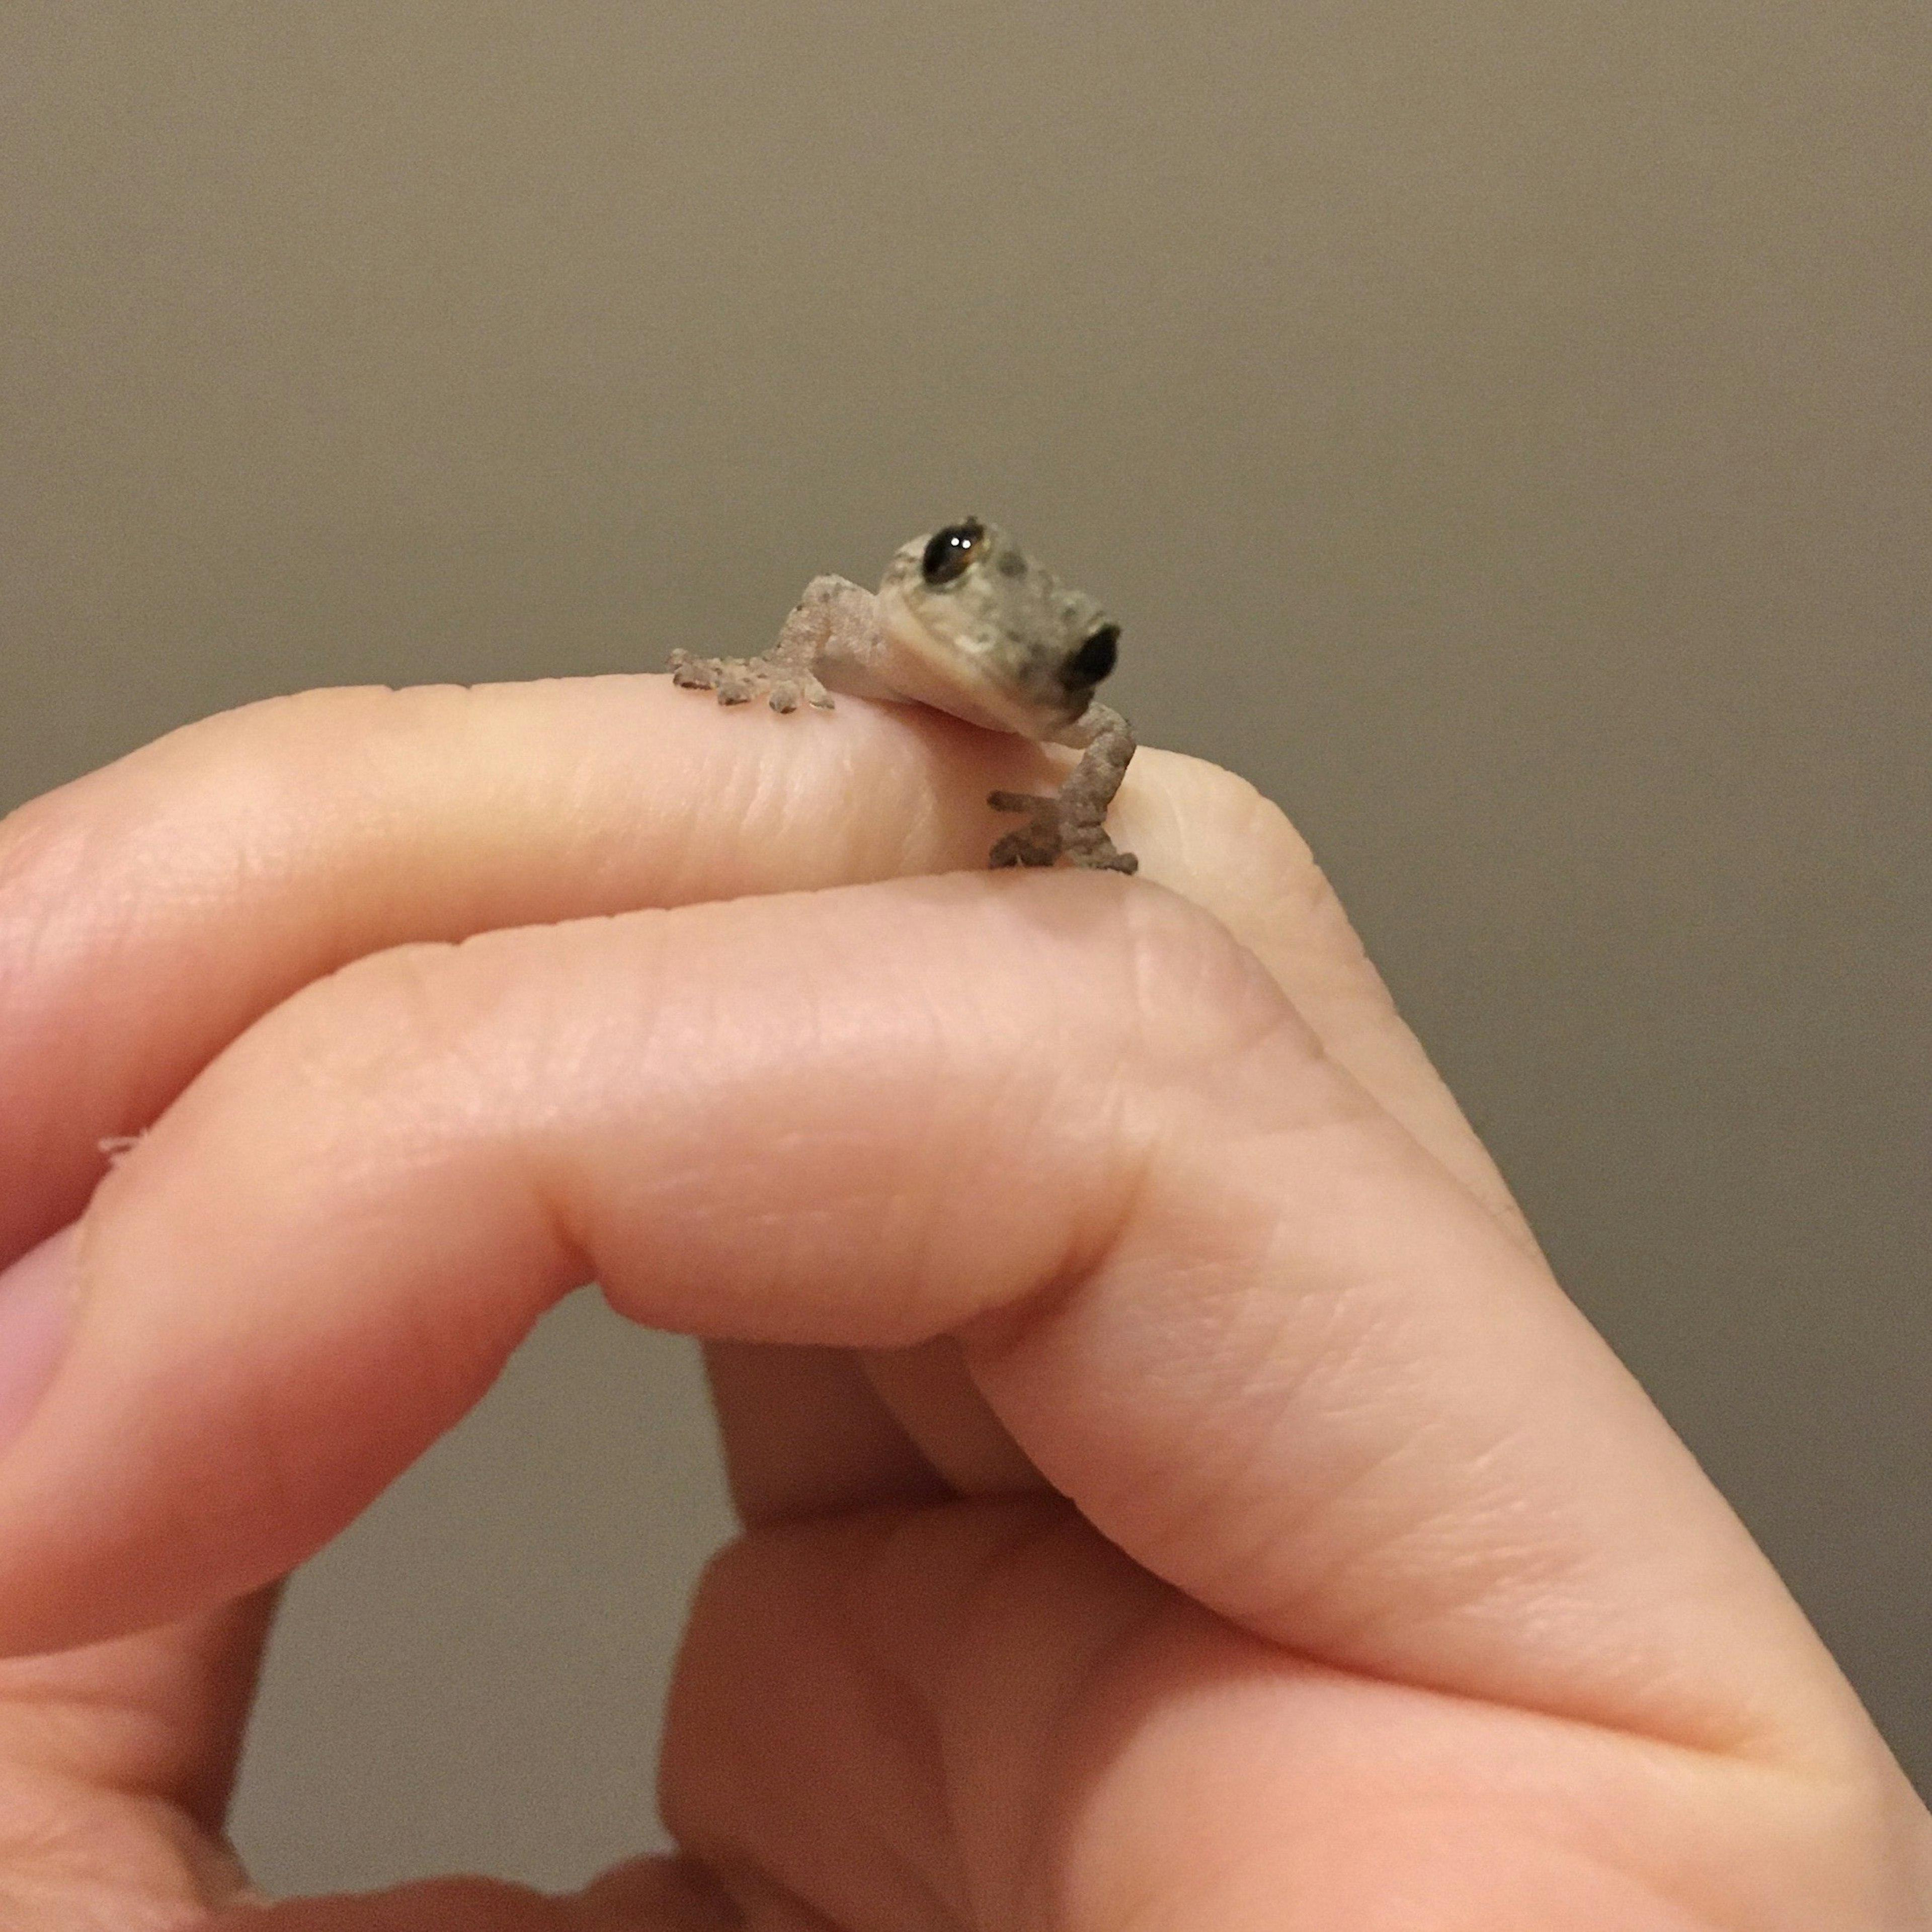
(1057, 829)
(739, 680)
(1073, 825)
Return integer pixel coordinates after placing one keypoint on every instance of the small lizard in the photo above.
(965, 622)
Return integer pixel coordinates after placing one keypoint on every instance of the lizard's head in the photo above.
(991, 636)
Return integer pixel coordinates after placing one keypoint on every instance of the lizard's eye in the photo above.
(1094, 660)
(949, 551)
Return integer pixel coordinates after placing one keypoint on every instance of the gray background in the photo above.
(1504, 429)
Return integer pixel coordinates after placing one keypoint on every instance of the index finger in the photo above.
(150, 911)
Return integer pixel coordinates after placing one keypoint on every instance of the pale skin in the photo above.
(1177, 1494)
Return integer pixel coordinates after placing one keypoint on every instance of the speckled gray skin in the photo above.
(965, 622)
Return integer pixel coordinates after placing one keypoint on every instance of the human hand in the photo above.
(1177, 1494)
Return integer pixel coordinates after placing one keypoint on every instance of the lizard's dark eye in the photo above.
(1094, 660)
(949, 551)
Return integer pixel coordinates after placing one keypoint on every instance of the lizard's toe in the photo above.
(690, 674)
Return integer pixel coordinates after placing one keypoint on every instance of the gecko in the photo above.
(965, 622)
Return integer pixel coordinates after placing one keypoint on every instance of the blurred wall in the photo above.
(1504, 429)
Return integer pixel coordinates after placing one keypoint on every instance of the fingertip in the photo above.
(36, 1297)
